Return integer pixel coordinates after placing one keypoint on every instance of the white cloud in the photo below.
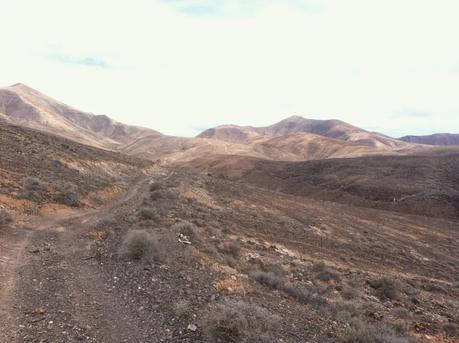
(372, 63)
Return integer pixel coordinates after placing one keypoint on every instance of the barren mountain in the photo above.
(25, 106)
(334, 129)
(441, 139)
(299, 139)
(293, 139)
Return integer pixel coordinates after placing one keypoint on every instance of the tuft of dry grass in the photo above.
(239, 322)
(140, 244)
(386, 288)
(5, 217)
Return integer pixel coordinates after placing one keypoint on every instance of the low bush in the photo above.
(268, 279)
(324, 273)
(300, 293)
(148, 214)
(386, 288)
(67, 194)
(349, 293)
(433, 287)
(190, 231)
(140, 244)
(5, 217)
(450, 329)
(362, 332)
(232, 248)
(33, 189)
(239, 322)
(400, 312)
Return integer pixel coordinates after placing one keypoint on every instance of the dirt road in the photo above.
(50, 286)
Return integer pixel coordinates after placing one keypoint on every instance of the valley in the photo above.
(302, 231)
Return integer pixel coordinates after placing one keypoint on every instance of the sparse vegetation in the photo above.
(190, 231)
(450, 329)
(140, 244)
(362, 332)
(433, 287)
(67, 194)
(400, 312)
(5, 217)
(323, 272)
(349, 293)
(300, 293)
(33, 189)
(238, 322)
(232, 248)
(148, 214)
(386, 288)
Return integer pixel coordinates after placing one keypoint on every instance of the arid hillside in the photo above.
(22, 105)
(442, 139)
(43, 168)
(425, 184)
(334, 129)
(292, 139)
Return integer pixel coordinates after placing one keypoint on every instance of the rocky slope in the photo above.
(441, 139)
(22, 105)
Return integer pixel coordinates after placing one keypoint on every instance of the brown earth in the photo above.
(68, 281)
(244, 249)
(442, 139)
(22, 105)
(425, 184)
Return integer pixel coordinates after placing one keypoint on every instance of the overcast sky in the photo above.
(180, 66)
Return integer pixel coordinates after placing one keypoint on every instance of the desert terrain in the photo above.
(303, 231)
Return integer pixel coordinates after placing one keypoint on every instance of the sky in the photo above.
(181, 66)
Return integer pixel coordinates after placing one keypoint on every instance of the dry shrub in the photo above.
(232, 248)
(386, 288)
(298, 292)
(239, 322)
(433, 287)
(362, 332)
(148, 214)
(5, 217)
(269, 279)
(67, 194)
(141, 245)
(33, 189)
(325, 273)
(349, 293)
(190, 231)
(400, 312)
(450, 329)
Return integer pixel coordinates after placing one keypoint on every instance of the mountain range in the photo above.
(292, 139)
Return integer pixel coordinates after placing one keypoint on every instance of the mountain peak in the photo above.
(20, 85)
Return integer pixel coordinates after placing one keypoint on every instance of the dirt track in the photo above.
(56, 287)
(50, 290)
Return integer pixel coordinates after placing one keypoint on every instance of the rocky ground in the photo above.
(185, 257)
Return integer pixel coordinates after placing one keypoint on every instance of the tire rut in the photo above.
(12, 244)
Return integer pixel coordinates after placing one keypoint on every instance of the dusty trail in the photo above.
(50, 290)
(12, 246)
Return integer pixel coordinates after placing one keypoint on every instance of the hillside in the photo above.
(440, 139)
(22, 105)
(292, 139)
(334, 129)
(423, 184)
(36, 166)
